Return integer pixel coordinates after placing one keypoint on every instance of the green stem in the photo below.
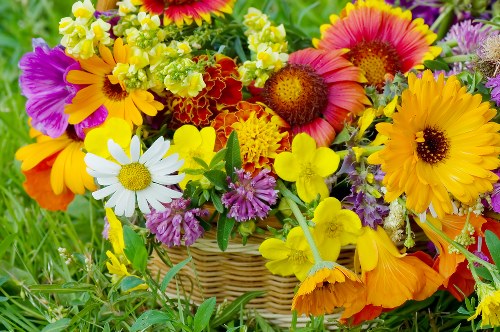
(468, 255)
(459, 58)
(442, 23)
(303, 223)
(367, 150)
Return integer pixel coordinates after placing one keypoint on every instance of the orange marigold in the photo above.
(262, 134)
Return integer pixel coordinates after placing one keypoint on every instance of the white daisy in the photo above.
(146, 175)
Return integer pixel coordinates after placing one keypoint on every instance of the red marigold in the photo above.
(222, 89)
(262, 133)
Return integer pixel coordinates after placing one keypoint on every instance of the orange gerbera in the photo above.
(222, 89)
(325, 289)
(261, 133)
(187, 11)
(55, 169)
(391, 278)
(381, 40)
(316, 92)
(103, 88)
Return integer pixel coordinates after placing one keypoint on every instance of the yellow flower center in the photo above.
(307, 171)
(259, 138)
(134, 177)
(334, 228)
(376, 59)
(297, 93)
(297, 257)
(113, 92)
(432, 145)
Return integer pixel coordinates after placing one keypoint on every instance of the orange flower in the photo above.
(452, 225)
(262, 134)
(325, 289)
(222, 88)
(391, 278)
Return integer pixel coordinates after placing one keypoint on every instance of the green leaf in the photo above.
(238, 47)
(457, 328)
(484, 273)
(203, 314)
(3, 279)
(493, 244)
(219, 156)
(217, 178)
(217, 201)
(150, 318)
(201, 162)
(135, 250)
(463, 311)
(436, 65)
(60, 325)
(234, 308)
(172, 272)
(224, 227)
(71, 287)
(130, 282)
(342, 137)
(233, 157)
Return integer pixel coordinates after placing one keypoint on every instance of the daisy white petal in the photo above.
(105, 192)
(142, 202)
(117, 152)
(97, 163)
(169, 179)
(135, 149)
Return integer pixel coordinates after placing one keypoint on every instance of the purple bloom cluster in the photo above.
(494, 84)
(250, 197)
(428, 10)
(175, 222)
(371, 210)
(43, 82)
(495, 195)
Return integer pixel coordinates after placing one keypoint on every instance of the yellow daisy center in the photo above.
(258, 138)
(297, 93)
(298, 257)
(432, 145)
(113, 91)
(376, 59)
(134, 176)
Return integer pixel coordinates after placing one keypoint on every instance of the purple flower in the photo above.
(249, 197)
(176, 222)
(43, 82)
(494, 84)
(428, 10)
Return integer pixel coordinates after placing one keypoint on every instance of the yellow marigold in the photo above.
(489, 305)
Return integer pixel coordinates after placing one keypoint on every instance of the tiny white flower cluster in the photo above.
(268, 45)
(395, 221)
(81, 34)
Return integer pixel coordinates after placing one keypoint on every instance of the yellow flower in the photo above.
(115, 233)
(113, 128)
(293, 256)
(489, 305)
(115, 267)
(307, 166)
(440, 142)
(327, 288)
(335, 227)
(190, 143)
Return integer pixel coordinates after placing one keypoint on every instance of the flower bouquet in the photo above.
(361, 166)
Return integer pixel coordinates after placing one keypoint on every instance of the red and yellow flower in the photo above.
(382, 40)
(316, 92)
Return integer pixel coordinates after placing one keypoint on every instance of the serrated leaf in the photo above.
(342, 137)
(233, 157)
(201, 162)
(150, 318)
(493, 244)
(216, 200)
(203, 314)
(219, 156)
(135, 250)
(484, 273)
(60, 325)
(129, 282)
(436, 65)
(217, 178)
(224, 228)
(172, 272)
(234, 308)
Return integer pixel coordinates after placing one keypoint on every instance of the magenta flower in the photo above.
(177, 223)
(43, 82)
(249, 197)
(494, 84)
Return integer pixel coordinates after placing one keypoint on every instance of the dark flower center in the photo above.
(71, 132)
(297, 93)
(432, 145)
(113, 91)
(376, 59)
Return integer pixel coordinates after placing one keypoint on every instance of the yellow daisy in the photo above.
(440, 142)
(103, 88)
